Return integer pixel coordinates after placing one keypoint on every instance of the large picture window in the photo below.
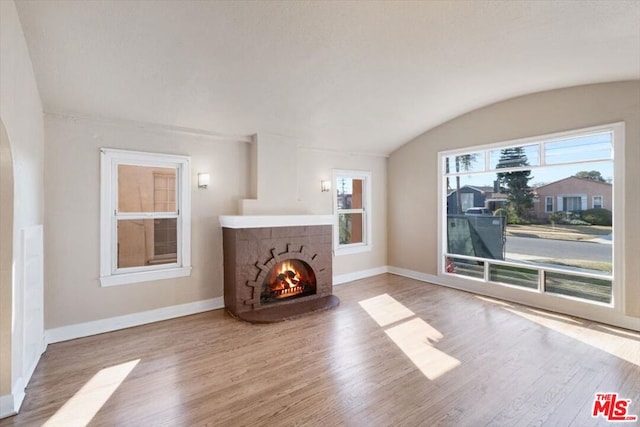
(145, 217)
(531, 226)
(352, 202)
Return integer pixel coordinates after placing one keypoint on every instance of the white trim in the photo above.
(145, 276)
(367, 213)
(593, 202)
(355, 248)
(79, 330)
(357, 275)
(536, 139)
(7, 407)
(549, 302)
(259, 221)
(617, 131)
(110, 274)
(546, 205)
(618, 229)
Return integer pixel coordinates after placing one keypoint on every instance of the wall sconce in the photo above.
(203, 180)
(325, 186)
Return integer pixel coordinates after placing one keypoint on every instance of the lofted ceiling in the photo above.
(357, 76)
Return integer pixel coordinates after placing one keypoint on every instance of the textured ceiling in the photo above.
(356, 76)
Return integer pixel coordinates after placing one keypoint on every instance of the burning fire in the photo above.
(288, 278)
(287, 281)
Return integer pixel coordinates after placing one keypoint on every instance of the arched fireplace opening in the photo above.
(288, 279)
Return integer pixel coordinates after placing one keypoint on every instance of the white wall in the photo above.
(21, 114)
(315, 166)
(74, 296)
(413, 173)
(288, 179)
(72, 174)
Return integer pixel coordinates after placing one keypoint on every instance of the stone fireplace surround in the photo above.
(254, 244)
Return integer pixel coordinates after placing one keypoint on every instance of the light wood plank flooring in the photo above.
(396, 352)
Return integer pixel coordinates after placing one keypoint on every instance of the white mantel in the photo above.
(259, 221)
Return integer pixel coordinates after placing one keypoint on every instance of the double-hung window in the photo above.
(548, 204)
(145, 217)
(352, 209)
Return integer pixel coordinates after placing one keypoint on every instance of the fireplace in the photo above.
(277, 267)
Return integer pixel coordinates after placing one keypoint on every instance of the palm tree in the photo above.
(462, 162)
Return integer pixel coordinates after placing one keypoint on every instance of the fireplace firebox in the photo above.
(291, 278)
(277, 267)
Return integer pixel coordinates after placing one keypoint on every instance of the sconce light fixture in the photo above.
(203, 180)
(325, 186)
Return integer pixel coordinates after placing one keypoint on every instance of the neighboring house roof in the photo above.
(481, 189)
(573, 178)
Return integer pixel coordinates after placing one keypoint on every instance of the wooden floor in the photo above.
(395, 352)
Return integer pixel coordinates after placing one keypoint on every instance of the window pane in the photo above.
(165, 237)
(480, 235)
(146, 189)
(549, 204)
(581, 287)
(592, 147)
(137, 242)
(465, 267)
(517, 276)
(514, 157)
(471, 162)
(350, 228)
(349, 192)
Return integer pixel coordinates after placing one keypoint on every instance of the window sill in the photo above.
(144, 276)
(349, 250)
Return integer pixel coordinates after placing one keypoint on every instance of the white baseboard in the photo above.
(356, 275)
(79, 330)
(7, 407)
(423, 277)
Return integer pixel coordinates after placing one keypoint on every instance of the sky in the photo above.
(563, 158)
(544, 175)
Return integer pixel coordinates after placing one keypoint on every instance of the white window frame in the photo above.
(593, 202)
(546, 204)
(568, 304)
(366, 244)
(110, 274)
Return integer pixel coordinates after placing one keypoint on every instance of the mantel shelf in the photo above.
(259, 221)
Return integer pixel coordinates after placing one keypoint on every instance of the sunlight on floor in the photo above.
(85, 404)
(617, 342)
(385, 310)
(414, 337)
(624, 348)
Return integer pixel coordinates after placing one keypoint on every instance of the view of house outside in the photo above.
(542, 211)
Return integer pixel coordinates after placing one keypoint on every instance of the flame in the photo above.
(286, 269)
(288, 278)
